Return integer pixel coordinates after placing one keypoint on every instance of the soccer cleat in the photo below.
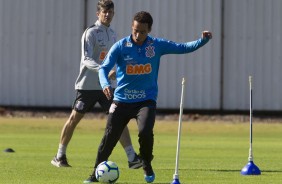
(149, 174)
(60, 162)
(149, 179)
(136, 163)
(91, 179)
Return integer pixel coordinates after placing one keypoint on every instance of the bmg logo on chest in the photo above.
(138, 69)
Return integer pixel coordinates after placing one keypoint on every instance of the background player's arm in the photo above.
(107, 67)
(88, 49)
(112, 75)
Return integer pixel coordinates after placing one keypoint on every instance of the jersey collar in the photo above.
(98, 23)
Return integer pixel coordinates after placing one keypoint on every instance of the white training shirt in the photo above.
(95, 44)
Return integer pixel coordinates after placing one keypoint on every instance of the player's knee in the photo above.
(74, 118)
(146, 135)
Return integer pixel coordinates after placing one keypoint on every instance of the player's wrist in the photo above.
(107, 86)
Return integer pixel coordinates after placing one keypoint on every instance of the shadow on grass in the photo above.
(272, 171)
(212, 170)
(142, 183)
(225, 170)
(235, 170)
(216, 170)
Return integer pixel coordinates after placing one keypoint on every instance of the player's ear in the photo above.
(149, 29)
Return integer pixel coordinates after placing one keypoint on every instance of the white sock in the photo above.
(61, 151)
(130, 153)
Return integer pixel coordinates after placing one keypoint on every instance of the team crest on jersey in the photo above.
(79, 105)
(150, 51)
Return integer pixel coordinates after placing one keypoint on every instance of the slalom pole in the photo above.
(251, 168)
(251, 121)
(176, 176)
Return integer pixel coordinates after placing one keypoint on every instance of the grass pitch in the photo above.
(211, 152)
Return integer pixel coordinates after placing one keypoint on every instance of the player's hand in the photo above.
(207, 34)
(112, 75)
(108, 91)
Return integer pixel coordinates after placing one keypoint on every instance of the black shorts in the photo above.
(86, 100)
(120, 114)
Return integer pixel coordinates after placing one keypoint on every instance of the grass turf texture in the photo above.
(211, 152)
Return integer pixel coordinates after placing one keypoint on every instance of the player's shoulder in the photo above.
(96, 29)
(124, 41)
(91, 30)
(158, 39)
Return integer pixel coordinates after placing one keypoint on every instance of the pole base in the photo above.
(250, 169)
(175, 181)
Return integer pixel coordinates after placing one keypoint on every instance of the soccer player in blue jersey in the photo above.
(137, 58)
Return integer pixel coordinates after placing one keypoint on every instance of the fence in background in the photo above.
(40, 51)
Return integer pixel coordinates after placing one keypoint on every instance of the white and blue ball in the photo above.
(107, 172)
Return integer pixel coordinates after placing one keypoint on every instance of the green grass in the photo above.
(211, 152)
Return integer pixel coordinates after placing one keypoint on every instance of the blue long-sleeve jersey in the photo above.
(137, 66)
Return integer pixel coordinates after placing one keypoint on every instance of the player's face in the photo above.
(106, 16)
(139, 32)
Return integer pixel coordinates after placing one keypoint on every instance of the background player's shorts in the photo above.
(86, 100)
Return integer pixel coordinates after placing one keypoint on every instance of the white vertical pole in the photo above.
(175, 176)
(251, 120)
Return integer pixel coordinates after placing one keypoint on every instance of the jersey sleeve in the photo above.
(88, 44)
(108, 63)
(170, 47)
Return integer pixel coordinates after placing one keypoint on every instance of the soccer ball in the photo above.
(107, 172)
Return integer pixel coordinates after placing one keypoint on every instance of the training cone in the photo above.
(9, 150)
(250, 169)
(175, 181)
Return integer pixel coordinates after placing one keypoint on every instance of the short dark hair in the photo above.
(105, 4)
(144, 17)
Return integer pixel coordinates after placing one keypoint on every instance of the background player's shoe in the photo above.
(136, 163)
(149, 174)
(91, 179)
(60, 162)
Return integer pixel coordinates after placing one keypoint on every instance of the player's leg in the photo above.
(146, 121)
(83, 102)
(134, 162)
(117, 120)
(69, 127)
